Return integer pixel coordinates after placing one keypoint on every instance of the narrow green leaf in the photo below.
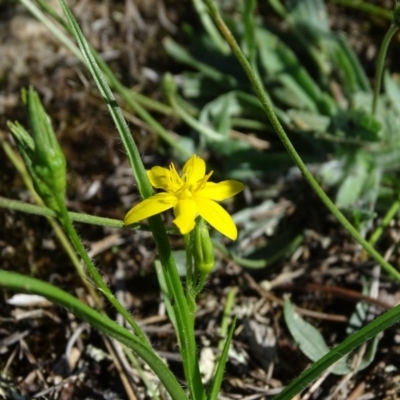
(355, 64)
(249, 22)
(167, 296)
(210, 28)
(133, 155)
(219, 374)
(182, 55)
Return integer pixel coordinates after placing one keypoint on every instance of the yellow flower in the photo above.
(190, 195)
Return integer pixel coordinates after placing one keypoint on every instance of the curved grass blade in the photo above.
(104, 324)
(133, 155)
(363, 335)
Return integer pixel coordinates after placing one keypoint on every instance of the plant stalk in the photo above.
(268, 109)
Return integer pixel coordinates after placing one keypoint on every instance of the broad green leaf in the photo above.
(218, 113)
(281, 66)
(310, 15)
(355, 175)
(309, 339)
(309, 121)
(358, 124)
(331, 172)
(392, 90)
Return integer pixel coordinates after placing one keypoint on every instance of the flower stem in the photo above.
(227, 316)
(184, 319)
(380, 65)
(190, 274)
(268, 109)
(394, 208)
(367, 7)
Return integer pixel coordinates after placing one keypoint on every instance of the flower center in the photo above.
(185, 192)
(183, 186)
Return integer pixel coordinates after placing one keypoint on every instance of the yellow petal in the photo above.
(220, 191)
(149, 207)
(217, 217)
(158, 177)
(193, 170)
(185, 212)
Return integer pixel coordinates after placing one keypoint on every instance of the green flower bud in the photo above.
(43, 156)
(49, 160)
(202, 248)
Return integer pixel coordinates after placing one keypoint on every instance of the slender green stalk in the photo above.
(193, 122)
(22, 283)
(227, 316)
(219, 373)
(135, 100)
(185, 331)
(381, 64)
(167, 296)
(184, 320)
(117, 223)
(201, 281)
(95, 275)
(133, 154)
(47, 212)
(189, 262)
(190, 274)
(367, 7)
(283, 251)
(145, 101)
(210, 27)
(74, 216)
(278, 7)
(390, 214)
(267, 107)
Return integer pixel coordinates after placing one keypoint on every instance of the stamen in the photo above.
(203, 181)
